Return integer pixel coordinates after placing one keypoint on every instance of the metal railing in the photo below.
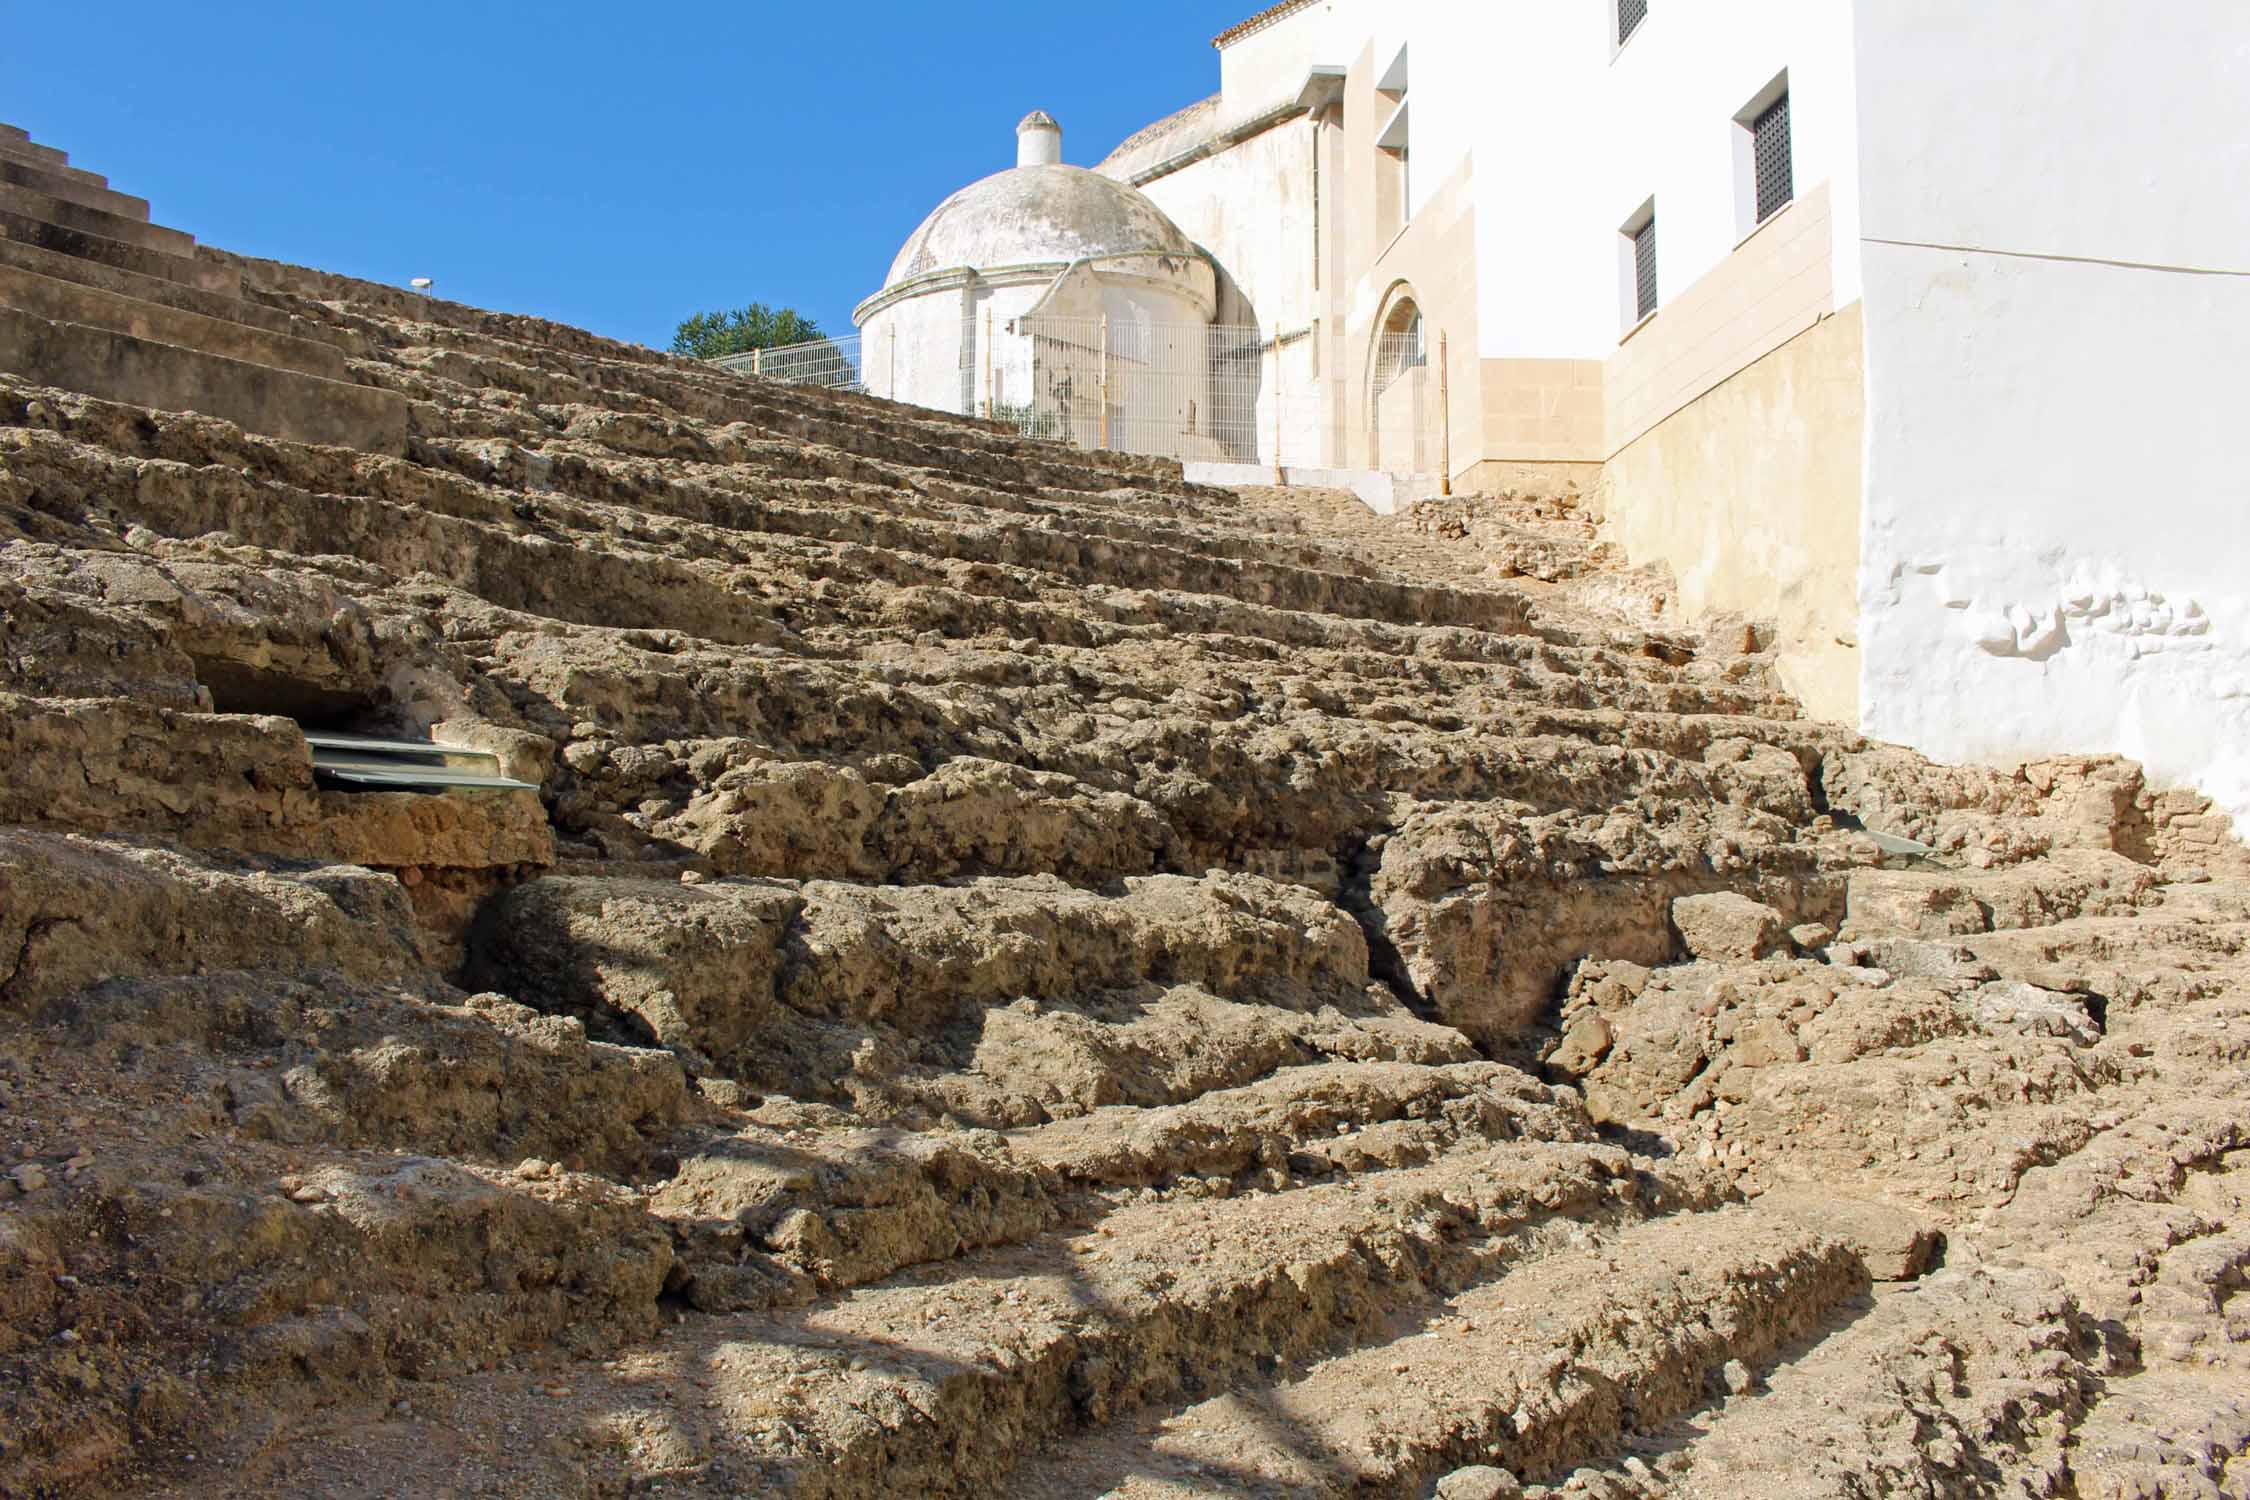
(830, 363)
(1194, 392)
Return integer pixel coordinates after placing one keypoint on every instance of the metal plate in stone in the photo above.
(407, 765)
(415, 778)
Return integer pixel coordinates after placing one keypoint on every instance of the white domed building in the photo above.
(1000, 302)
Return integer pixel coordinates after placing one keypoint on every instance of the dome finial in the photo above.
(1038, 140)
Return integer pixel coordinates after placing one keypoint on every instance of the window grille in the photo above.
(1644, 269)
(1630, 14)
(1777, 180)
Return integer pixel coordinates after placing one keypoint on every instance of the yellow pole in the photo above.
(1105, 380)
(757, 361)
(1445, 418)
(1280, 471)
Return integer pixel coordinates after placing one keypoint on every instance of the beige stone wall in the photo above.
(1776, 285)
(1433, 256)
(1545, 480)
(1544, 411)
(1751, 495)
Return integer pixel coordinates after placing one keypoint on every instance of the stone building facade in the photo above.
(1909, 326)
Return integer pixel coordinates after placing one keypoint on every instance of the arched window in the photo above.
(1399, 348)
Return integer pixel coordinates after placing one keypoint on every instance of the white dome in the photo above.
(1037, 216)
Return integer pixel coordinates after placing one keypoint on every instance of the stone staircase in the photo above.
(101, 300)
(1018, 975)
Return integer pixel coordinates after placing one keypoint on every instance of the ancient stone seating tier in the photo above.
(100, 300)
(943, 965)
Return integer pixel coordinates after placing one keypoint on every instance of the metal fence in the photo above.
(1194, 392)
(830, 363)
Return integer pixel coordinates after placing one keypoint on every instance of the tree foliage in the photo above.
(712, 334)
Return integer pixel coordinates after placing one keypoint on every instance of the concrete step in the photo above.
(258, 398)
(69, 302)
(226, 303)
(21, 141)
(64, 184)
(53, 161)
(30, 229)
(72, 215)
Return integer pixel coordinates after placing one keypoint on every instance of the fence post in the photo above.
(891, 380)
(988, 401)
(1105, 381)
(757, 361)
(1280, 469)
(1445, 417)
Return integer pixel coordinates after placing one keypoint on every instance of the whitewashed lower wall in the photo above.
(2056, 529)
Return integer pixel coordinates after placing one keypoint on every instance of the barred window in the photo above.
(1776, 178)
(1644, 269)
(1630, 14)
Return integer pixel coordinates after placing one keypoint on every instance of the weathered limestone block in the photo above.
(1897, 1244)
(798, 987)
(75, 910)
(1937, 903)
(689, 966)
(1726, 927)
(2012, 1005)
(1903, 903)
(1487, 906)
(1481, 1482)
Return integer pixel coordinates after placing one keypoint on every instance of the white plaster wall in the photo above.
(1572, 135)
(912, 350)
(1250, 206)
(2075, 127)
(1269, 66)
(2055, 555)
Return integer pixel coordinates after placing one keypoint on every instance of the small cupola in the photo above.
(1038, 141)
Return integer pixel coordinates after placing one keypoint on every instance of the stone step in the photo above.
(624, 588)
(237, 781)
(2165, 1432)
(790, 1207)
(475, 1079)
(784, 985)
(1966, 1383)
(61, 301)
(103, 907)
(1328, 1119)
(934, 443)
(187, 270)
(226, 304)
(938, 1382)
(983, 1358)
(27, 149)
(60, 183)
(70, 214)
(257, 398)
(1540, 1369)
(315, 1282)
(56, 165)
(773, 1216)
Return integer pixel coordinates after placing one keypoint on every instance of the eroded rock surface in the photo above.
(1022, 976)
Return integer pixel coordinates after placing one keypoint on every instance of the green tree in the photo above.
(712, 334)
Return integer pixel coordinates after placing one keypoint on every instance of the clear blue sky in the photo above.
(612, 166)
